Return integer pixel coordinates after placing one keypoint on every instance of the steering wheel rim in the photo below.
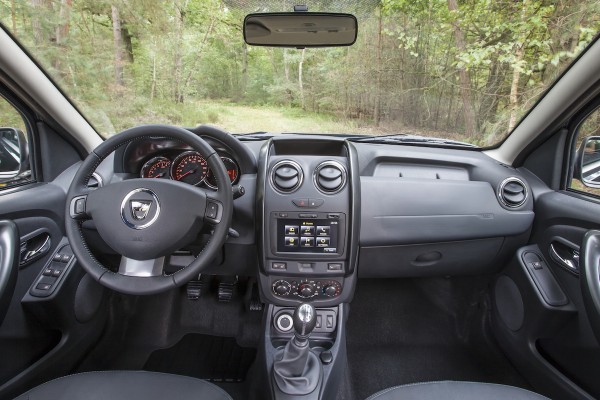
(590, 278)
(139, 241)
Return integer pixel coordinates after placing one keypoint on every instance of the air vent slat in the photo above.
(286, 176)
(330, 177)
(512, 192)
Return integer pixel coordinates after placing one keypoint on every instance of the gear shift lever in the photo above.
(305, 319)
(297, 370)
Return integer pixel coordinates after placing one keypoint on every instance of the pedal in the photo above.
(197, 287)
(226, 289)
(255, 304)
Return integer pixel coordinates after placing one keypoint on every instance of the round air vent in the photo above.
(330, 177)
(286, 176)
(512, 192)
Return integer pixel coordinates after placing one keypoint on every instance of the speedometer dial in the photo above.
(157, 167)
(232, 170)
(189, 167)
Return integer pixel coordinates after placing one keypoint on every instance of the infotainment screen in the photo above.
(307, 236)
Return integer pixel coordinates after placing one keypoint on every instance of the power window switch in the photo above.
(48, 272)
(57, 257)
(65, 258)
(43, 286)
(537, 265)
(56, 273)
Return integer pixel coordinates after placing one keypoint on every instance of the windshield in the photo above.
(457, 70)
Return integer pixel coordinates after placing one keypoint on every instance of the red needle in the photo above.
(191, 171)
(158, 176)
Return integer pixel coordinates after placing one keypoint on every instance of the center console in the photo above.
(308, 212)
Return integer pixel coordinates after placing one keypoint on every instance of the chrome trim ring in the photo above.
(237, 177)
(300, 176)
(278, 322)
(330, 163)
(124, 205)
(506, 182)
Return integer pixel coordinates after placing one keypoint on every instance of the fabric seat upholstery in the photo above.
(450, 390)
(125, 385)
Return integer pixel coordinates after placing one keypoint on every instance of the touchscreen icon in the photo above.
(322, 242)
(307, 230)
(323, 230)
(291, 241)
(291, 230)
(307, 242)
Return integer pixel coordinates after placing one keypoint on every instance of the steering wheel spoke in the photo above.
(141, 268)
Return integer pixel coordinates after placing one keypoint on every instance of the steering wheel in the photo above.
(589, 276)
(146, 220)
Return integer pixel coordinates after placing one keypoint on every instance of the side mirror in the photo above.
(14, 156)
(587, 162)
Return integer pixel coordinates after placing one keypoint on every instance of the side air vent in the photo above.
(512, 192)
(95, 181)
(286, 176)
(330, 177)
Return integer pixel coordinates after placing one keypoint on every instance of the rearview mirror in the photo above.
(300, 29)
(587, 162)
(14, 155)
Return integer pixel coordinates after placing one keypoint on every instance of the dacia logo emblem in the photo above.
(140, 209)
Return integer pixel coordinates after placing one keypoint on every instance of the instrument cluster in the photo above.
(189, 167)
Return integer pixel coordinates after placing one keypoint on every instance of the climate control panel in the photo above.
(307, 288)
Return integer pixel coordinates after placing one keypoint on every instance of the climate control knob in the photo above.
(329, 291)
(306, 290)
(282, 288)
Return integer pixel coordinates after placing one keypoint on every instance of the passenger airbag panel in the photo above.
(408, 211)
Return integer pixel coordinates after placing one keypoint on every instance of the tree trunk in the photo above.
(242, 92)
(39, 37)
(62, 29)
(178, 62)
(514, 88)
(13, 15)
(465, 81)
(377, 110)
(286, 65)
(153, 87)
(300, 83)
(118, 44)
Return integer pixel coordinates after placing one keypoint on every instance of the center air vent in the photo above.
(512, 192)
(286, 176)
(330, 177)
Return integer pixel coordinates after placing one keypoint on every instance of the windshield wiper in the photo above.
(403, 138)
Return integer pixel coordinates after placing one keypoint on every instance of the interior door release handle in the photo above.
(34, 248)
(565, 256)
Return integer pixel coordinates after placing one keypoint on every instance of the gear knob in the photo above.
(305, 319)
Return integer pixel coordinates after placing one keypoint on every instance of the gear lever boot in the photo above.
(297, 370)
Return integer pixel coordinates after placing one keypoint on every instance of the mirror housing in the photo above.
(14, 155)
(587, 162)
(300, 29)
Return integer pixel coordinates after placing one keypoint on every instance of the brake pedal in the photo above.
(226, 289)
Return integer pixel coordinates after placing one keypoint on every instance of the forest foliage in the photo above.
(463, 69)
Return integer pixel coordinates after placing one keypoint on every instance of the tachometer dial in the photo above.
(232, 170)
(189, 167)
(157, 167)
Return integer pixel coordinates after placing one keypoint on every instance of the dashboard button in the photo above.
(334, 266)
(279, 265)
(300, 202)
(304, 215)
(314, 203)
(307, 242)
(307, 230)
(291, 230)
(323, 230)
(291, 241)
(322, 242)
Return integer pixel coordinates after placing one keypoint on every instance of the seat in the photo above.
(125, 385)
(450, 390)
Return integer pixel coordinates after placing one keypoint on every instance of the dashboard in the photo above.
(319, 211)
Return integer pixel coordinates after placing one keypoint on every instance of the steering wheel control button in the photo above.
(279, 266)
(212, 210)
(77, 207)
(140, 208)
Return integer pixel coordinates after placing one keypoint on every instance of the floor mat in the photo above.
(214, 358)
(410, 330)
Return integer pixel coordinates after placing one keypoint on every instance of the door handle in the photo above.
(34, 248)
(565, 255)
